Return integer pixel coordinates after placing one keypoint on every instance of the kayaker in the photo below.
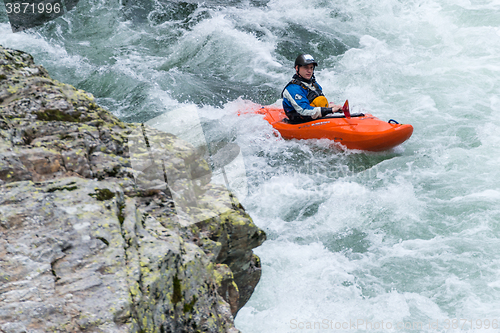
(303, 98)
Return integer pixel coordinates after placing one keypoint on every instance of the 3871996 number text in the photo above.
(471, 324)
(31, 8)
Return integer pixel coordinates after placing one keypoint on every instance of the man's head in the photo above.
(304, 66)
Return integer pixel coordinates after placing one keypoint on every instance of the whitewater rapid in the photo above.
(404, 240)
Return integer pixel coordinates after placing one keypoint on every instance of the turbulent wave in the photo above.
(405, 237)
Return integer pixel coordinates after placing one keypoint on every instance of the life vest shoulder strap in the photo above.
(294, 81)
(299, 83)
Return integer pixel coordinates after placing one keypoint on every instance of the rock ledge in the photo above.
(91, 239)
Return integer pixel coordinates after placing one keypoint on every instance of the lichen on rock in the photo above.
(92, 237)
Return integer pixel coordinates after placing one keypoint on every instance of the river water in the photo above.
(405, 240)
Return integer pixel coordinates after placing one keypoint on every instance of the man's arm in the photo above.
(297, 97)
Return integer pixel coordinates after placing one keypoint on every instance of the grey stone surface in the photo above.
(91, 239)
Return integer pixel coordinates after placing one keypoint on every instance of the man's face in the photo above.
(306, 71)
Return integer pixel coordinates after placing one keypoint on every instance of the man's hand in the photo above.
(335, 108)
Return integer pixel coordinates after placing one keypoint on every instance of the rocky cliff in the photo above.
(92, 237)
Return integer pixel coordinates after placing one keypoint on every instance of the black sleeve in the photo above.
(325, 111)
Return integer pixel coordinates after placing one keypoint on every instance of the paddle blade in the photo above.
(345, 108)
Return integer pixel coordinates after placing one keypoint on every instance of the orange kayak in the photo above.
(361, 131)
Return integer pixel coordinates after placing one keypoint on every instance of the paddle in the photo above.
(345, 108)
